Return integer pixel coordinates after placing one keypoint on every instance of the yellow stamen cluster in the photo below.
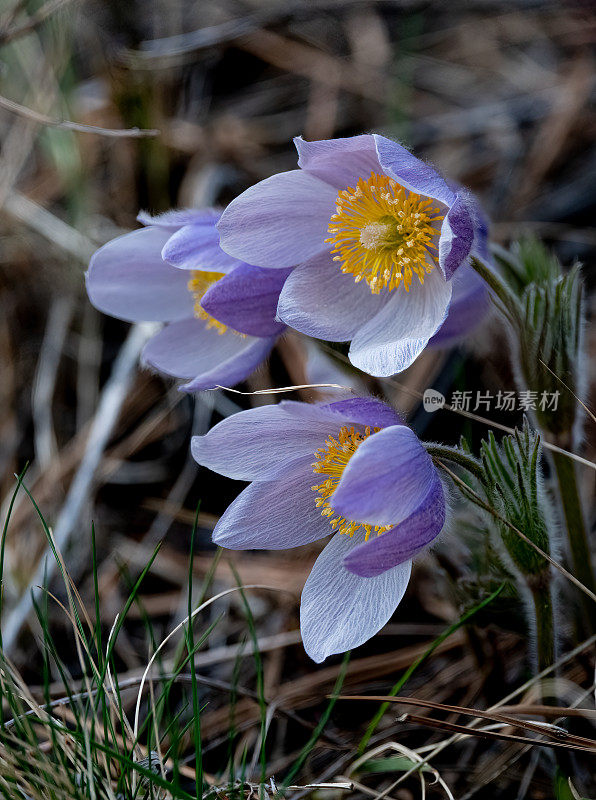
(384, 234)
(331, 462)
(198, 284)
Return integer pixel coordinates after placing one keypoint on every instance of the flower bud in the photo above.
(512, 483)
(550, 349)
(548, 330)
(528, 261)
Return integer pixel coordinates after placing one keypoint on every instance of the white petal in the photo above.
(339, 162)
(188, 348)
(341, 610)
(318, 299)
(396, 336)
(274, 515)
(255, 445)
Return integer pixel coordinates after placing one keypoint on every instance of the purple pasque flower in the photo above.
(170, 271)
(375, 236)
(349, 468)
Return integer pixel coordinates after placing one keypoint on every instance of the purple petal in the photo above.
(176, 218)
(128, 279)
(339, 162)
(481, 232)
(457, 236)
(188, 349)
(273, 515)
(401, 543)
(396, 336)
(318, 299)
(357, 411)
(246, 300)
(236, 369)
(366, 411)
(197, 247)
(257, 444)
(481, 224)
(340, 610)
(469, 307)
(409, 171)
(386, 478)
(280, 222)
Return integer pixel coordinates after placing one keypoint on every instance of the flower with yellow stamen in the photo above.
(374, 237)
(198, 285)
(167, 272)
(383, 234)
(331, 462)
(373, 477)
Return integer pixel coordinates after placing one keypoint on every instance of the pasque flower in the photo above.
(350, 469)
(376, 237)
(170, 271)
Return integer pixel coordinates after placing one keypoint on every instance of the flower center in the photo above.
(198, 284)
(331, 462)
(384, 234)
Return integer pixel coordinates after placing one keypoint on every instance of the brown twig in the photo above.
(559, 734)
(21, 29)
(68, 125)
(485, 734)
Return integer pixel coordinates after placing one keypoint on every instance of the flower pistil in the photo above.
(384, 234)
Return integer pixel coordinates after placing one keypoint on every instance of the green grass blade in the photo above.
(194, 686)
(260, 673)
(308, 748)
(413, 667)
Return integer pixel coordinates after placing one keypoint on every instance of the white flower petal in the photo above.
(341, 610)
(396, 336)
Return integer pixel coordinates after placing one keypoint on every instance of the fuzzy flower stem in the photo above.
(509, 304)
(576, 532)
(469, 463)
(540, 587)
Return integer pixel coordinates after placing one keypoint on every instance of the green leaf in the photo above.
(562, 787)
(391, 764)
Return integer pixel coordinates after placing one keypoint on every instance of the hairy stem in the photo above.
(545, 624)
(576, 532)
(510, 305)
(453, 454)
